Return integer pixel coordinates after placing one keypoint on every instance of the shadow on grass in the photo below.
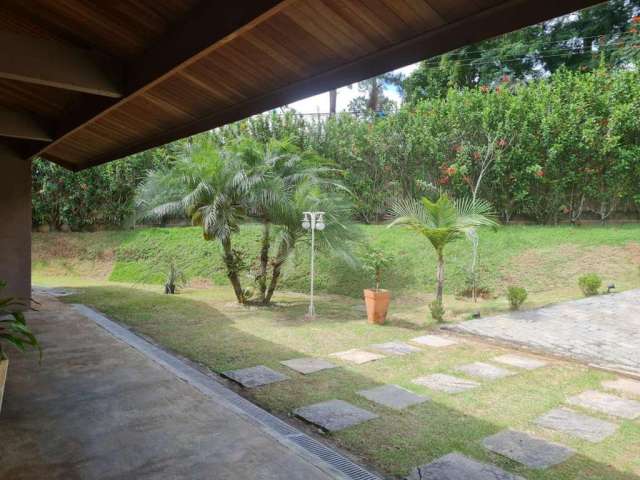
(395, 442)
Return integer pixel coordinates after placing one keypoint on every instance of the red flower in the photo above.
(636, 20)
(484, 89)
(505, 79)
(498, 89)
(540, 173)
(451, 171)
(502, 142)
(443, 180)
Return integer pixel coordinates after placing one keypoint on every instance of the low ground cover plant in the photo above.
(516, 296)
(590, 284)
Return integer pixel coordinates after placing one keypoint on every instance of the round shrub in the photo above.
(516, 296)
(590, 284)
(437, 311)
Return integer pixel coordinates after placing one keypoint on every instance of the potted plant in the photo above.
(376, 299)
(14, 331)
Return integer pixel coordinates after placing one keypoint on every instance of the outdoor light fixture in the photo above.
(611, 287)
(312, 221)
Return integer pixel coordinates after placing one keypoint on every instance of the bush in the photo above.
(437, 311)
(516, 296)
(590, 284)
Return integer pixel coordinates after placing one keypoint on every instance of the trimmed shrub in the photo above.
(516, 296)
(590, 284)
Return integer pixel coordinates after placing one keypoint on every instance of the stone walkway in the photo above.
(602, 330)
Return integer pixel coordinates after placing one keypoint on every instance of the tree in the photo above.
(442, 222)
(374, 99)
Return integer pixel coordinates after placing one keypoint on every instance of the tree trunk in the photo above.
(440, 277)
(333, 101)
(283, 252)
(231, 270)
(264, 264)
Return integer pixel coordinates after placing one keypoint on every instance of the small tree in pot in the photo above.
(376, 300)
(14, 331)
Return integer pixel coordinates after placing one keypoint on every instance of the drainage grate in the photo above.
(211, 387)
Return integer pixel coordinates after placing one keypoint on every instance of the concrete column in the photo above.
(15, 225)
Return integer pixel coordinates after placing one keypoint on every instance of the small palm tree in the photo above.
(442, 222)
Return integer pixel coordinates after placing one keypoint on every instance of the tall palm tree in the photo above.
(441, 222)
(210, 187)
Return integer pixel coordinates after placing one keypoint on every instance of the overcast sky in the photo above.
(320, 103)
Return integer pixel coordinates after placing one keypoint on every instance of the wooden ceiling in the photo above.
(83, 82)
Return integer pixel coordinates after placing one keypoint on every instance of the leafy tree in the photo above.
(374, 99)
(442, 222)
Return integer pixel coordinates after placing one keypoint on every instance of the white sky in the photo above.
(320, 103)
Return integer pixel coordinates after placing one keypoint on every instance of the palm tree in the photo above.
(210, 187)
(442, 222)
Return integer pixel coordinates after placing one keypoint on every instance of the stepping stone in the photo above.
(484, 370)
(456, 466)
(530, 451)
(396, 348)
(606, 403)
(357, 356)
(434, 341)
(520, 361)
(334, 415)
(255, 376)
(574, 423)
(445, 383)
(392, 396)
(308, 365)
(625, 385)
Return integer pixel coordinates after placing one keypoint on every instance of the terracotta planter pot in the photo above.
(377, 302)
(4, 365)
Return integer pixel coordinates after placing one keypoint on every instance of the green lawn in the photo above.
(205, 325)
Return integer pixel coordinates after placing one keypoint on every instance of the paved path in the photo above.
(602, 330)
(98, 409)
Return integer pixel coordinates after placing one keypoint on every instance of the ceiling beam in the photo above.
(208, 27)
(507, 16)
(24, 126)
(51, 63)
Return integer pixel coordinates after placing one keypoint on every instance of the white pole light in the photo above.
(312, 221)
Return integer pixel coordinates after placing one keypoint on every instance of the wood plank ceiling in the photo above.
(108, 79)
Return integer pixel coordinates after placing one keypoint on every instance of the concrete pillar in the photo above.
(15, 225)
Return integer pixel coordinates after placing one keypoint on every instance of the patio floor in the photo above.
(97, 408)
(603, 330)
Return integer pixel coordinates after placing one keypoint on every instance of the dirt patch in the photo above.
(200, 282)
(541, 270)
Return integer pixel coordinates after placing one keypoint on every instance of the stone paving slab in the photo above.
(308, 365)
(533, 452)
(484, 370)
(520, 361)
(456, 466)
(255, 376)
(357, 356)
(603, 330)
(576, 424)
(625, 385)
(396, 348)
(445, 383)
(334, 415)
(436, 341)
(606, 403)
(392, 396)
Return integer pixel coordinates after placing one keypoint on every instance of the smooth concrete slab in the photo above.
(334, 415)
(576, 424)
(255, 376)
(445, 383)
(436, 341)
(625, 385)
(607, 403)
(393, 396)
(98, 408)
(308, 365)
(357, 356)
(485, 371)
(520, 361)
(531, 451)
(456, 466)
(396, 348)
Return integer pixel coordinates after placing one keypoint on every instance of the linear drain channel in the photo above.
(211, 387)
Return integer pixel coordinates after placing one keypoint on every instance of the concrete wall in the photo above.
(15, 225)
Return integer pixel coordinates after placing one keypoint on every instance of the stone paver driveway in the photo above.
(602, 330)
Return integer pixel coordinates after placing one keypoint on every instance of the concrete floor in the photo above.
(603, 330)
(97, 408)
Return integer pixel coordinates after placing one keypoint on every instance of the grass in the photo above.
(207, 327)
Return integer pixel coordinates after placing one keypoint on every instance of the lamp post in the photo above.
(312, 221)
